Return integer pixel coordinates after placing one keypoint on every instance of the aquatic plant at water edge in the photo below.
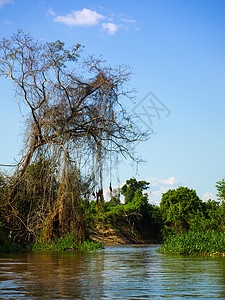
(64, 243)
(195, 243)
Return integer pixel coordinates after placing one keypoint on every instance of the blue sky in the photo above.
(177, 52)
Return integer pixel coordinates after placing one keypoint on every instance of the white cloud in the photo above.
(84, 17)
(88, 17)
(2, 2)
(208, 196)
(157, 181)
(111, 28)
(170, 181)
(159, 186)
(162, 189)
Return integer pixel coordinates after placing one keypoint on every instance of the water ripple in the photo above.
(125, 272)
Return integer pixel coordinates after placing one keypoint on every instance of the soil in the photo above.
(109, 236)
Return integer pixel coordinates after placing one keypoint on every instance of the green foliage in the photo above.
(195, 243)
(137, 214)
(180, 211)
(179, 207)
(113, 215)
(64, 243)
(220, 185)
(138, 203)
(89, 245)
(213, 217)
(135, 201)
(57, 244)
(132, 186)
(88, 209)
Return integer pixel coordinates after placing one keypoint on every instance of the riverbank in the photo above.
(98, 235)
(122, 235)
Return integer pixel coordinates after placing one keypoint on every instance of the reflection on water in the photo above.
(125, 272)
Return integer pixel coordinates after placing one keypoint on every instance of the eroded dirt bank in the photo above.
(122, 236)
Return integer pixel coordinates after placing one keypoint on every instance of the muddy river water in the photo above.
(119, 272)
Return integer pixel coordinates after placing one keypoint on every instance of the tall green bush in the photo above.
(179, 207)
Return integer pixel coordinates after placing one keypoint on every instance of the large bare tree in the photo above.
(74, 106)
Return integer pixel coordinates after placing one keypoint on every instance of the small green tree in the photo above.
(139, 203)
(179, 207)
(115, 198)
(220, 185)
(131, 187)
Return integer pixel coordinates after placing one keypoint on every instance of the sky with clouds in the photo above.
(176, 51)
(85, 17)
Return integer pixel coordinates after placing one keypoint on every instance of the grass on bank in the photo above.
(65, 243)
(59, 244)
(195, 243)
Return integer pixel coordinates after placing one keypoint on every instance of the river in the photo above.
(123, 272)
